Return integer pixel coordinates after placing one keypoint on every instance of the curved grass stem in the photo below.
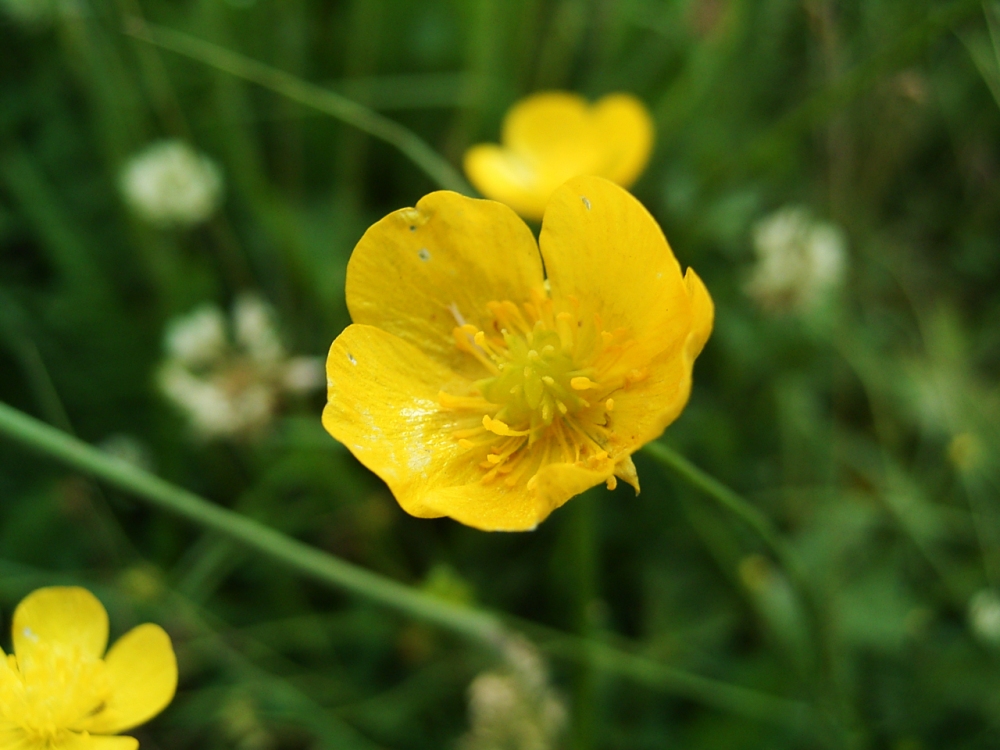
(728, 499)
(411, 145)
(477, 625)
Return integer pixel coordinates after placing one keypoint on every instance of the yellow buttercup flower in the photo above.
(550, 137)
(59, 691)
(481, 386)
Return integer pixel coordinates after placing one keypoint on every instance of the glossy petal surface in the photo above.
(383, 405)
(602, 247)
(419, 271)
(497, 419)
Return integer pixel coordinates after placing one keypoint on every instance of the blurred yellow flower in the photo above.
(479, 389)
(59, 691)
(552, 136)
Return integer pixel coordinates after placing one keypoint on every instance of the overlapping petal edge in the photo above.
(420, 274)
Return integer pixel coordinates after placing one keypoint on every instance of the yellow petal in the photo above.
(602, 248)
(627, 135)
(113, 743)
(383, 405)
(644, 410)
(553, 136)
(82, 741)
(556, 483)
(702, 313)
(509, 177)
(490, 507)
(143, 672)
(12, 737)
(420, 271)
(67, 615)
(551, 122)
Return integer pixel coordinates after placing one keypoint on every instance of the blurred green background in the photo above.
(865, 428)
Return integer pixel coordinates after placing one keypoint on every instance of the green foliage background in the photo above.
(879, 114)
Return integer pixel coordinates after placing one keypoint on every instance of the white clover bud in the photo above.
(492, 698)
(208, 406)
(515, 707)
(304, 374)
(984, 616)
(255, 330)
(799, 260)
(229, 376)
(197, 338)
(171, 184)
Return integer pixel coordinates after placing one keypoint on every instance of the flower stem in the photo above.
(728, 499)
(415, 148)
(477, 625)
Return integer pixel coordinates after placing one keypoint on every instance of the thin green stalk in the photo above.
(583, 530)
(787, 712)
(752, 517)
(477, 625)
(308, 94)
(728, 499)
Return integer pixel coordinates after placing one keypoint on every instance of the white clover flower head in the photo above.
(800, 260)
(171, 184)
(515, 706)
(255, 330)
(304, 374)
(984, 616)
(198, 338)
(229, 376)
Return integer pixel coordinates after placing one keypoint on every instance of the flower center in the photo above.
(550, 376)
(51, 692)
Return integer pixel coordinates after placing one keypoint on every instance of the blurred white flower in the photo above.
(230, 378)
(171, 184)
(197, 338)
(515, 707)
(984, 616)
(799, 260)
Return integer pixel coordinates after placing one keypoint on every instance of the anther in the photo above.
(609, 404)
(548, 380)
(582, 384)
(501, 428)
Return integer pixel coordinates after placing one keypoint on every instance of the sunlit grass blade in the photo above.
(308, 94)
